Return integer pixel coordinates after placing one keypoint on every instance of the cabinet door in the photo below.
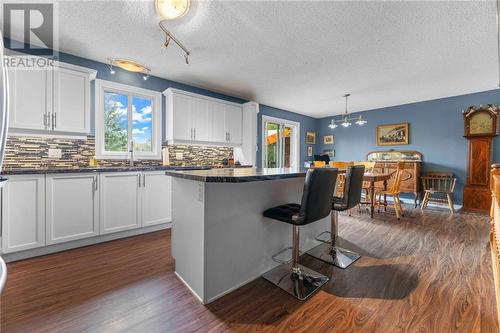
(156, 198)
(30, 98)
(233, 123)
(200, 116)
(182, 119)
(71, 112)
(71, 207)
(23, 213)
(218, 132)
(120, 204)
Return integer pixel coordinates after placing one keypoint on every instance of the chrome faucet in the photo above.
(131, 151)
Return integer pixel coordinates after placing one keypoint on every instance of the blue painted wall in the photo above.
(159, 84)
(436, 130)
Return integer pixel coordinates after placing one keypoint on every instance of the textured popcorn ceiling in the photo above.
(301, 56)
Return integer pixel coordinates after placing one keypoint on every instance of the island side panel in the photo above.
(187, 232)
(239, 241)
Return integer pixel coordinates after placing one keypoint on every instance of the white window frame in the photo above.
(102, 86)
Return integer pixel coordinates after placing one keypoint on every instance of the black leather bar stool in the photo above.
(316, 204)
(351, 197)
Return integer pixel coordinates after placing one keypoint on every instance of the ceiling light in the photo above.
(129, 65)
(360, 121)
(346, 121)
(172, 9)
(169, 37)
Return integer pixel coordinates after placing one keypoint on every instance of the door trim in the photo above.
(296, 148)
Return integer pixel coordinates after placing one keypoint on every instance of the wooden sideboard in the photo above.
(413, 168)
(495, 229)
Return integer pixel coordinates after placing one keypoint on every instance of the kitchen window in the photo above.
(127, 117)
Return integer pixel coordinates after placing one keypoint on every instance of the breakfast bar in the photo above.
(220, 240)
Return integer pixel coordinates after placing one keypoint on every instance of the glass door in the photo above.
(279, 145)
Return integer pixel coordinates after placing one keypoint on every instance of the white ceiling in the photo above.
(301, 56)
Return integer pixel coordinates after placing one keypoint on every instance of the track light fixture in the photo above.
(169, 37)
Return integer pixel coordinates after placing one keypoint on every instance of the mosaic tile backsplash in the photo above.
(32, 153)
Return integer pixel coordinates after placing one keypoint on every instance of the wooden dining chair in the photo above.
(438, 187)
(341, 177)
(369, 168)
(396, 178)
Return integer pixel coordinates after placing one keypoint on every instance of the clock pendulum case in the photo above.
(480, 127)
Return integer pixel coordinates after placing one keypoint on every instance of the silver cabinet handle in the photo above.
(144, 180)
(228, 136)
(191, 133)
(139, 180)
(54, 120)
(194, 133)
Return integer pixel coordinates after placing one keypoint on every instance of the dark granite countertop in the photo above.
(25, 171)
(237, 175)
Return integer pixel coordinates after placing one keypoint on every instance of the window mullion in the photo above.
(129, 115)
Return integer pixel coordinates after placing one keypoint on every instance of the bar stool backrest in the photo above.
(318, 194)
(397, 178)
(353, 185)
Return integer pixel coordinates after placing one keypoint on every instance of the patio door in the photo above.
(280, 144)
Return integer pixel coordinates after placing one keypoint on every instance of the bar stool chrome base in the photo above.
(334, 255)
(300, 282)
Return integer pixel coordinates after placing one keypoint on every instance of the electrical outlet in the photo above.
(179, 156)
(55, 153)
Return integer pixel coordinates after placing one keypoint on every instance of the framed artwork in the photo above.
(328, 139)
(310, 138)
(393, 134)
(329, 152)
(309, 151)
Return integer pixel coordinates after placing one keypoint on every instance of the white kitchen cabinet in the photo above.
(200, 118)
(233, 123)
(218, 132)
(71, 111)
(30, 98)
(183, 129)
(156, 198)
(193, 118)
(23, 213)
(55, 99)
(72, 207)
(120, 201)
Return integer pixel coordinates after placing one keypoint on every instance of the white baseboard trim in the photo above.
(190, 289)
(10, 257)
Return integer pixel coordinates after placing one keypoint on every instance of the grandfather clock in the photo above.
(480, 127)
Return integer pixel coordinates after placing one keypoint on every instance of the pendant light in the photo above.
(346, 121)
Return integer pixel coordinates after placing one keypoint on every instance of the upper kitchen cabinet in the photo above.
(71, 106)
(55, 99)
(193, 118)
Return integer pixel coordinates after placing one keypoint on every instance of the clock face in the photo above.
(481, 123)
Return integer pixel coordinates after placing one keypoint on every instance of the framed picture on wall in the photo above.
(309, 151)
(310, 138)
(393, 134)
(328, 140)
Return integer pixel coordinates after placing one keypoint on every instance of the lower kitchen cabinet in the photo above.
(23, 213)
(72, 207)
(156, 198)
(120, 201)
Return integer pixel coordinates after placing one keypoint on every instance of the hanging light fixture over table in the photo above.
(347, 121)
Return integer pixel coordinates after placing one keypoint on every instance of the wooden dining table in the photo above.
(373, 178)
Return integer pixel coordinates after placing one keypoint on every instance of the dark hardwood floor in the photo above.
(429, 272)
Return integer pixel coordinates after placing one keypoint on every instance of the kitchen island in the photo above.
(220, 240)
